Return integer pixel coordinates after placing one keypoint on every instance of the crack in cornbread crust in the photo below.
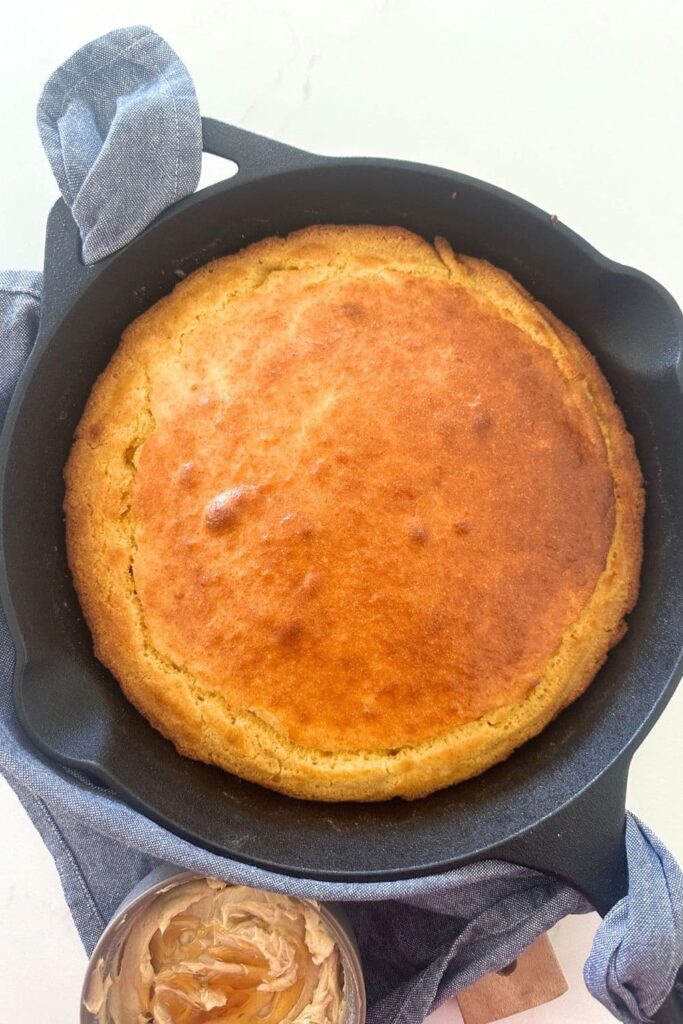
(102, 539)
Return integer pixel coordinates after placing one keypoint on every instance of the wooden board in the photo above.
(534, 979)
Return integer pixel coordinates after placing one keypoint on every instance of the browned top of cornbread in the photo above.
(366, 491)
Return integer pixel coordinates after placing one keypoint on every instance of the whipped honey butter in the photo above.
(205, 951)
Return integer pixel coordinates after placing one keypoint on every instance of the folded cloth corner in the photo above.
(120, 124)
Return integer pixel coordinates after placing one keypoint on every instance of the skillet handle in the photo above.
(66, 276)
(254, 154)
(584, 844)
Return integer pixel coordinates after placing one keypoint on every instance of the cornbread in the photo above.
(351, 516)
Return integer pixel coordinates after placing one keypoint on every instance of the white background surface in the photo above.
(573, 106)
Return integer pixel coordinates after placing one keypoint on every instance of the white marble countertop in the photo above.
(573, 106)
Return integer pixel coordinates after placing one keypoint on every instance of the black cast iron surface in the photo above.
(558, 803)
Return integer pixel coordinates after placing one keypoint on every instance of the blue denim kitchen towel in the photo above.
(421, 939)
(120, 124)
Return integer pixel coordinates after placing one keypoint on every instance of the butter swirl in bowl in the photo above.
(186, 949)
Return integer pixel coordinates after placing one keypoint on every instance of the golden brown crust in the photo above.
(351, 516)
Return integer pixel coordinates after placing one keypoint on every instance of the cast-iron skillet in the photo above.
(558, 803)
